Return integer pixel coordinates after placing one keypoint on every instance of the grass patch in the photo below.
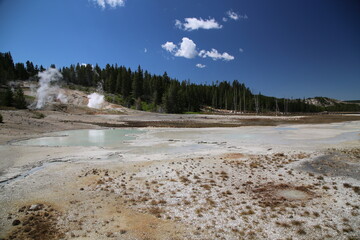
(301, 232)
(156, 211)
(38, 115)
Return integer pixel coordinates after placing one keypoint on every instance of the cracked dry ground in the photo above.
(232, 196)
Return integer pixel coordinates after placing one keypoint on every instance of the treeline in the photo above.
(150, 92)
(19, 71)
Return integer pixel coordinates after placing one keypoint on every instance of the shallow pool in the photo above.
(86, 138)
(187, 141)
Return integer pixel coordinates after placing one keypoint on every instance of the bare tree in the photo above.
(244, 100)
(234, 98)
(277, 107)
(239, 99)
(256, 99)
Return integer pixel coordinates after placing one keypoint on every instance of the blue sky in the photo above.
(298, 48)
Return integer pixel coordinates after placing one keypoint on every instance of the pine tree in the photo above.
(7, 68)
(173, 100)
(118, 81)
(19, 99)
(9, 97)
(21, 72)
(126, 83)
(137, 84)
(30, 68)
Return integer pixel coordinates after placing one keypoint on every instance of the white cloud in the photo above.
(145, 50)
(191, 24)
(199, 65)
(169, 46)
(232, 15)
(178, 24)
(235, 16)
(187, 49)
(224, 19)
(85, 65)
(241, 50)
(111, 3)
(215, 55)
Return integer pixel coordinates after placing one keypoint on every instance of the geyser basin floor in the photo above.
(186, 184)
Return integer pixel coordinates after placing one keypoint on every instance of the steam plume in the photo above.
(96, 100)
(48, 91)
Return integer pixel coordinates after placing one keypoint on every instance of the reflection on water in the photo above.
(96, 136)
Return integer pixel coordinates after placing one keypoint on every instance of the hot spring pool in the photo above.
(163, 141)
(86, 138)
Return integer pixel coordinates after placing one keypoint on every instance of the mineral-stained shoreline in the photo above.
(95, 193)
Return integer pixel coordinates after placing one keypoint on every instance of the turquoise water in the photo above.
(286, 128)
(175, 140)
(86, 138)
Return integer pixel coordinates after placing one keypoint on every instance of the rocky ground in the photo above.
(82, 193)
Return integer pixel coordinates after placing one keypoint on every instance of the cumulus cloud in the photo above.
(241, 50)
(234, 16)
(186, 49)
(169, 46)
(111, 3)
(199, 65)
(215, 55)
(191, 24)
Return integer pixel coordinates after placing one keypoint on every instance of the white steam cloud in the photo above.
(96, 100)
(48, 90)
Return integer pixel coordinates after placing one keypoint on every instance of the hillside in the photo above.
(334, 105)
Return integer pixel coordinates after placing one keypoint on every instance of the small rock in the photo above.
(122, 231)
(22, 209)
(16, 222)
(35, 207)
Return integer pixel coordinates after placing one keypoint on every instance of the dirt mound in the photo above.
(37, 221)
